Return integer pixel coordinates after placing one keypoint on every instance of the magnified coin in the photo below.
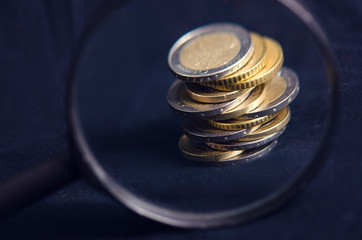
(273, 126)
(179, 100)
(253, 154)
(281, 91)
(244, 145)
(208, 95)
(200, 130)
(274, 63)
(255, 64)
(240, 123)
(210, 52)
(198, 151)
(255, 98)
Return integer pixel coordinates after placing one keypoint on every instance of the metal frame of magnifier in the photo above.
(34, 184)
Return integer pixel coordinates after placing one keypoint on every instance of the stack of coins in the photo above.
(232, 91)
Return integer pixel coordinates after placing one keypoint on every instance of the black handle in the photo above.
(30, 186)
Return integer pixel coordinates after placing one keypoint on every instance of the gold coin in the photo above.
(198, 151)
(237, 124)
(255, 64)
(209, 95)
(274, 63)
(255, 98)
(273, 126)
(210, 51)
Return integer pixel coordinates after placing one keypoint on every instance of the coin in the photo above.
(244, 145)
(210, 52)
(183, 104)
(198, 151)
(273, 126)
(274, 63)
(236, 124)
(255, 64)
(253, 154)
(255, 98)
(281, 92)
(208, 95)
(200, 130)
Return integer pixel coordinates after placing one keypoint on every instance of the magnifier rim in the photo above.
(203, 220)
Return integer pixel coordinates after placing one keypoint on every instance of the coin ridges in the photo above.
(255, 64)
(240, 124)
(275, 61)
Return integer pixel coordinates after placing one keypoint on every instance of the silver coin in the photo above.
(200, 130)
(250, 155)
(232, 64)
(179, 100)
(289, 94)
(246, 145)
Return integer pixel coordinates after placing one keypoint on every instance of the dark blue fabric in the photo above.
(38, 39)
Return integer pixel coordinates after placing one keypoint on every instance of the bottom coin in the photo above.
(251, 155)
(199, 151)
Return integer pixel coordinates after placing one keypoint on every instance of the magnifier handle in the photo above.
(30, 186)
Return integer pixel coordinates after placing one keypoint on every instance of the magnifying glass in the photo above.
(124, 136)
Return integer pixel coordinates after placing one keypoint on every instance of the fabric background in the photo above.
(37, 43)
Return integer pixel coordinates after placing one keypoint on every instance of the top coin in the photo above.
(210, 52)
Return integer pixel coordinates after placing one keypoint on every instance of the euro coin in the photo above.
(200, 130)
(255, 64)
(253, 154)
(273, 126)
(255, 98)
(281, 91)
(183, 104)
(274, 63)
(198, 151)
(208, 95)
(236, 124)
(244, 145)
(210, 52)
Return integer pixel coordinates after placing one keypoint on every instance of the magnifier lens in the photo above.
(121, 83)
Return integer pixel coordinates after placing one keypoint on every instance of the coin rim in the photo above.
(247, 123)
(186, 150)
(195, 133)
(217, 97)
(251, 155)
(174, 101)
(236, 145)
(276, 127)
(235, 112)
